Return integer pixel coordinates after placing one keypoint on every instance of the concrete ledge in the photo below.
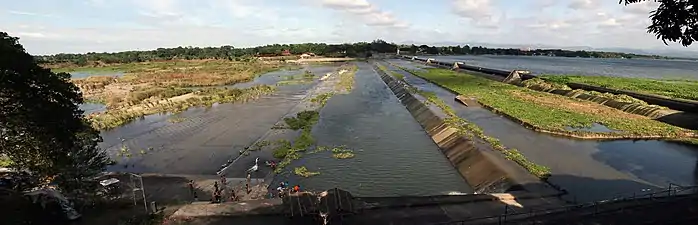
(484, 168)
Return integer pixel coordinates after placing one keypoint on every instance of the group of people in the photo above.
(218, 191)
(283, 188)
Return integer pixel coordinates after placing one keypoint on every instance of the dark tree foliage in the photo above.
(673, 20)
(42, 131)
(224, 52)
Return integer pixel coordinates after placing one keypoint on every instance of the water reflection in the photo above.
(85, 74)
(657, 162)
(89, 108)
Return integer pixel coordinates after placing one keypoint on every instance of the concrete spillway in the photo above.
(483, 168)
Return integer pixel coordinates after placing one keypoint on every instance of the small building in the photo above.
(307, 55)
(286, 52)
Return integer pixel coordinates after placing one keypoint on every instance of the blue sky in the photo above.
(47, 26)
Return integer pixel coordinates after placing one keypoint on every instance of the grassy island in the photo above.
(683, 89)
(547, 111)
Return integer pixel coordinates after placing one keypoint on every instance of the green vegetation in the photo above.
(548, 111)
(322, 98)
(304, 78)
(346, 79)
(282, 148)
(342, 152)
(176, 119)
(40, 131)
(469, 129)
(399, 76)
(303, 120)
(686, 89)
(5, 161)
(205, 97)
(228, 53)
(552, 85)
(303, 172)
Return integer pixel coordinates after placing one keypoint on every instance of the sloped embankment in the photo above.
(485, 169)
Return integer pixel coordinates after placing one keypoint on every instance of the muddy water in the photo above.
(206, 138)
(393, 155)
(89, 108)
(589, 170)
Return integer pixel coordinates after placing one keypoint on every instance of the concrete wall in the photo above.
(485, 169)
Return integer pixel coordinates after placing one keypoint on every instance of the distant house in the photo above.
(307, 55)
(286, 52)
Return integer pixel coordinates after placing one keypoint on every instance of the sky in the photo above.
(79, 26)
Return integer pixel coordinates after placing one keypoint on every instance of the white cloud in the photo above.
(31, 34)
(480, 12)
(641, 8)
(585, 4)
(368, 12)
(24, 13)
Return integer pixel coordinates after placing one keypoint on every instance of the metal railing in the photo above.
(595, 208)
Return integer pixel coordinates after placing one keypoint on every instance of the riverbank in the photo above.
(167, 86)
(681, 89)
(552, 113)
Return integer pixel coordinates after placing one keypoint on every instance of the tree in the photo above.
(673, 20)
(42, 131)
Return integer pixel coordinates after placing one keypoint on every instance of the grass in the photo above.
(5, 161)
(469, 129)
(201, 98)
(322, 98)
(346, 79)
(138, 95)
(559, 86)
(303, 172)
(684, 89)
(399, 76)
(146, 82)
(304, 78)
(548, 111)
(176, 119)
(303, 120)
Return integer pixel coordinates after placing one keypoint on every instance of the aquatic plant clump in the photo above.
(676, 88)
(322, 98)
(342, 152)
(346, 78)
(303, 172)
(303, 120)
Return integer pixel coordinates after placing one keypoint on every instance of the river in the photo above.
(645, 68)
(207, 137)
(589, 170)
(394, 156)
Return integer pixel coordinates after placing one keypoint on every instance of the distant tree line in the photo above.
(479, 50)
(359, 49)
